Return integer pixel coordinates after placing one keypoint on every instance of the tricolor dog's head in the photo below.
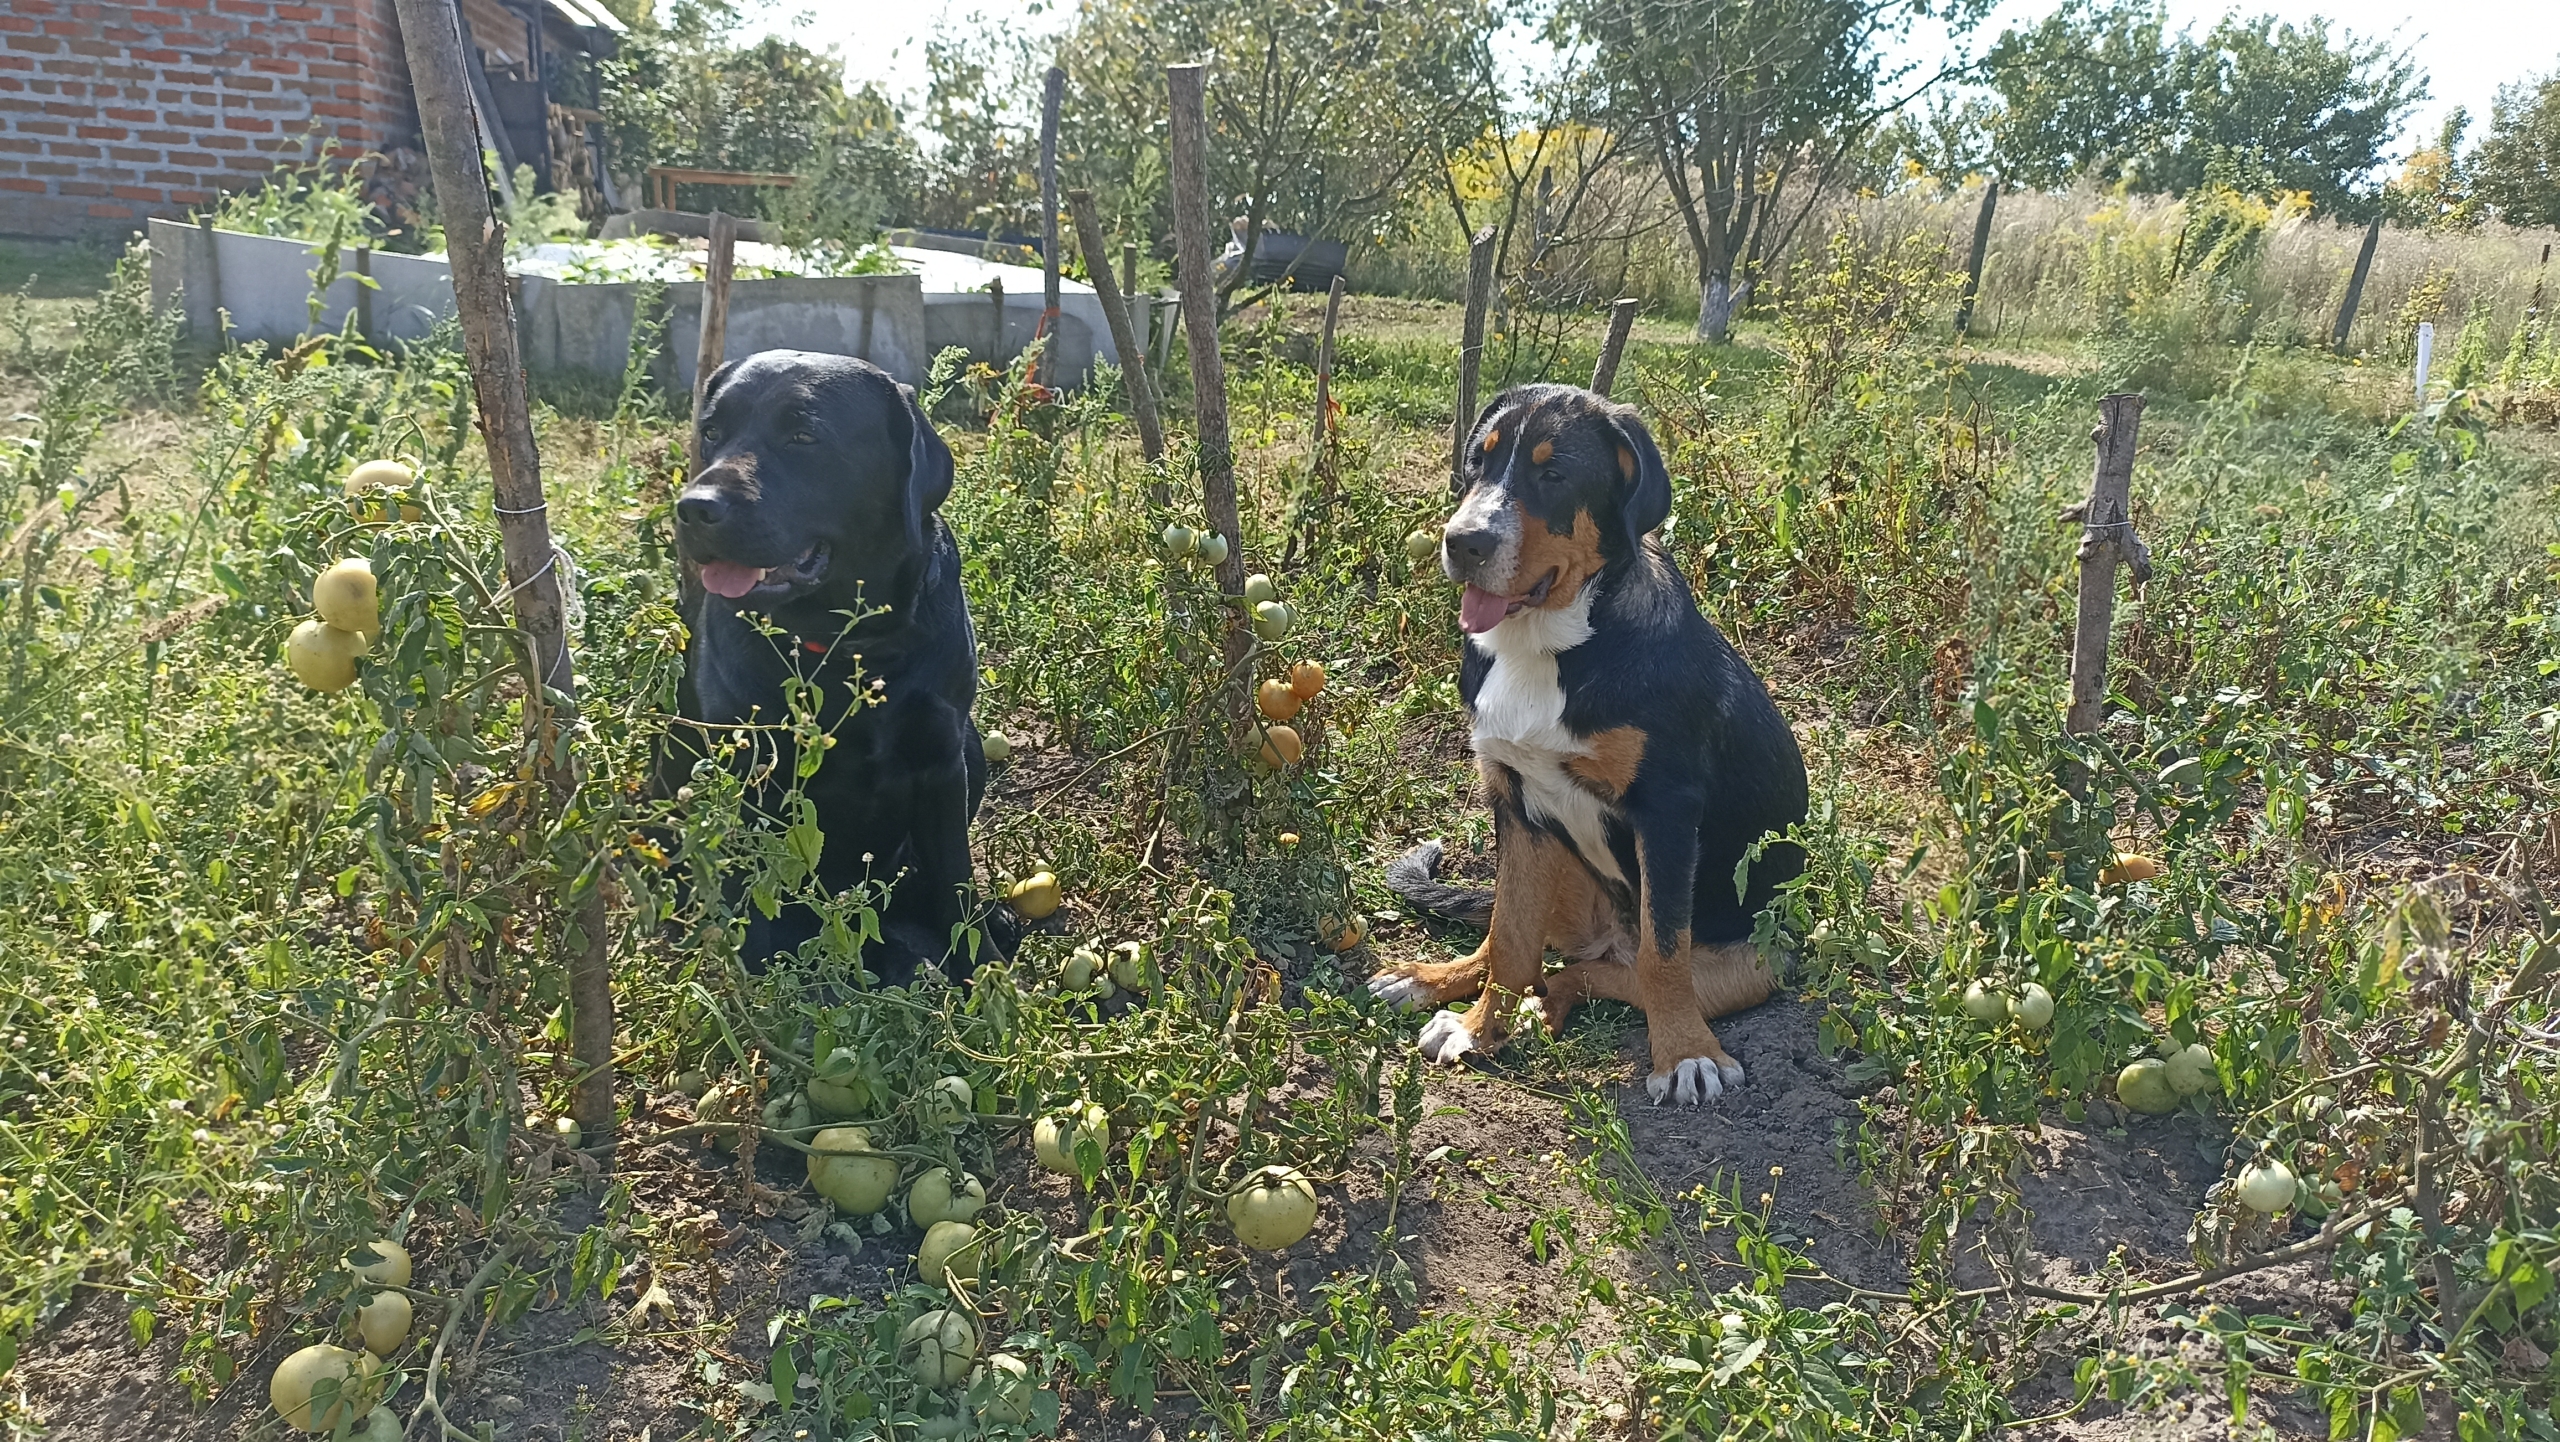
(1558, 486)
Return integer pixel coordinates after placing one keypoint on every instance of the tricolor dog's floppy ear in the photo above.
(1644, 487)
(1474, 444)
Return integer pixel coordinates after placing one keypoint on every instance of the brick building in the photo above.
(112, 113)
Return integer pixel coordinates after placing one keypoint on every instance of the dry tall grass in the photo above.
(2087, 263)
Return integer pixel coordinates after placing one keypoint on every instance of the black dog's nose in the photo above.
(702, 508)
(1472, 548)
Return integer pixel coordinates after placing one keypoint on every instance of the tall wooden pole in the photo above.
(2355, 287)
(1973, 266)
(1471, 343)
(1188, 85)
(1053, 87)
(439, 76)
(2106, 538)
(1115, 312)
(1622, 320)
(711, 337)
(1324, 374)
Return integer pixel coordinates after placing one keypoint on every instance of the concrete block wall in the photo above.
(112, 113)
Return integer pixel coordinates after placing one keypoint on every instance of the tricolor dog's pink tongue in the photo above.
(728, 578)
(1480, 610)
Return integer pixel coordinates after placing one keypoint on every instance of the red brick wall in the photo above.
(113, 112)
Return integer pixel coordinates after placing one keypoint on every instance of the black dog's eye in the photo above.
(804, 437)
(711, 435)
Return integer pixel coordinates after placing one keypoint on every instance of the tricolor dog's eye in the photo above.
(710, 435)
(803, 436)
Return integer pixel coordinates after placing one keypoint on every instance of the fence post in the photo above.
(476, 246)
(711, 337)
(1973, 266)
(995, 333)
(1324, 372)
(1188, 85)
(1622, 320)
(2106, 538)
(1115, 311)
(1471, 345)
(1053, 86)
(2355, 287)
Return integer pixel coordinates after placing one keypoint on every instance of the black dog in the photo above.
(1632, 757)
(816, 503)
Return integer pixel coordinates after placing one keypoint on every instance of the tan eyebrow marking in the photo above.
(1492, 438)
(1626, 463)
(1542, 453)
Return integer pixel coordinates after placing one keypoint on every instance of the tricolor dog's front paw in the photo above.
(1398, 988)
(1693, 1081)
(1446, 1037)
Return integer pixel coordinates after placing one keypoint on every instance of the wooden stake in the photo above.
(711, 338)
(476, 248)
(1471, 343)
(995, 336)
(2106, 538)
(1052, 89)
(1115, 312)
(1622, 320)
(1188, 85)
(1324, 376)
(1973, 267)
(2355, 287)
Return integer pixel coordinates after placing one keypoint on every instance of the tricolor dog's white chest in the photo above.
(1519, 723)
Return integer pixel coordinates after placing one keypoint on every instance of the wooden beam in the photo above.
(1622, 322)
(1471, 344)
(1115, 312)
(1973, 266)
(711, 337)
(476, 248)
(1324, 373)
(2106, 539)
(1053, 87)
(1188, 85)
(2355, 287)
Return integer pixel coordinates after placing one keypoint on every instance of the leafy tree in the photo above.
(2295, 109)
(1322, 114)
(689, 92)
(983, 169)
(2433, 188)
(2100, 90)
(2516, 171)
(1747, 106)
(2088, 91)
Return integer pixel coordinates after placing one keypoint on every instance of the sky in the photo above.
(2468, 48)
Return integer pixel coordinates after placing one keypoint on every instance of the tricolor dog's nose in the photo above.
(702, 508)
(1471, 547)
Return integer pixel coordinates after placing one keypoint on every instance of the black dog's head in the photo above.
(819, 481)
(1558, 486)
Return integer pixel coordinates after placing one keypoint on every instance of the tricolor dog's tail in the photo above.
(1413, 876)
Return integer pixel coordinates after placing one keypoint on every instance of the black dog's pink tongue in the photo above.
(1480, 610)
(728, 578)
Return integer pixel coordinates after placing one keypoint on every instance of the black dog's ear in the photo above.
(928, 461)
(1644, 487)
(719, 378)
(1474, 444)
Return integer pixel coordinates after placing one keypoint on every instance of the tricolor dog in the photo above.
(1632, 759)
